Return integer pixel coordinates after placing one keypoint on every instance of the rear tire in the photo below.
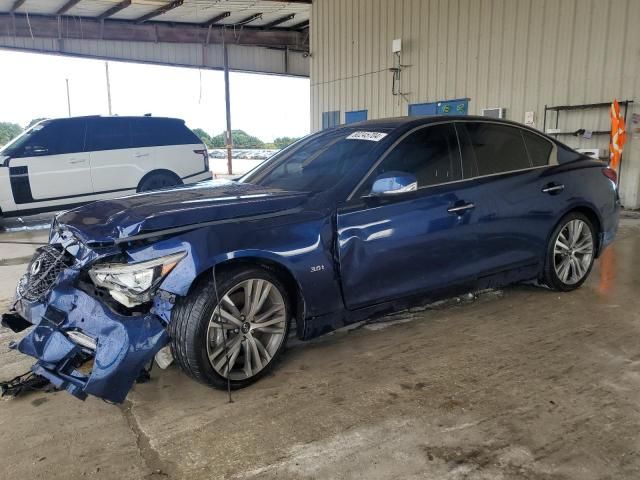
(570, 253)
(157, 181)
(198, 335)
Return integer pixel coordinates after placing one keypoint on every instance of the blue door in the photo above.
(511, 171)
(410, 242)
(355, 116)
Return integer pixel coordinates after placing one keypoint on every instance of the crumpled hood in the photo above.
(108, 221)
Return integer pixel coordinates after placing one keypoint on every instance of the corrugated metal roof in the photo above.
(191, 11)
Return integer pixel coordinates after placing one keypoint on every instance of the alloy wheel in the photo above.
(573, 252)
(246, 329)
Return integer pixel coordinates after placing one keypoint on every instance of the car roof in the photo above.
(396, 122)
(140, 117)
(399, 125)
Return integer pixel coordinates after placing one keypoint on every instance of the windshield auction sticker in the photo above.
(371, 136)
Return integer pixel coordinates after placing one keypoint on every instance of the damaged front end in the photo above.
(98, 318)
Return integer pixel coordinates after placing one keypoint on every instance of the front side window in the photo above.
(314, 165)
(49, 138)
(108, 134)
(495, 148)
(430, 154)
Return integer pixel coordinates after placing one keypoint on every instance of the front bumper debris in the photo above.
(85, 347)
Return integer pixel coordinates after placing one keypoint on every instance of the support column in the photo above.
(227, 101)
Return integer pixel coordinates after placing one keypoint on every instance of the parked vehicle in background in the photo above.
(62, 163)
(347, 223)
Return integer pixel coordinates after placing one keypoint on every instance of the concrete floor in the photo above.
(520, 384)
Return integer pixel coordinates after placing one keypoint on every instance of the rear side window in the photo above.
(430, 154)
(496, 148)
(108, 134)
(538, 148)
(156, 132)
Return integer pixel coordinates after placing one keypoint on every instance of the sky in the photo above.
(267, 106)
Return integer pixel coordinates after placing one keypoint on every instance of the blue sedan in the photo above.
(345, 224)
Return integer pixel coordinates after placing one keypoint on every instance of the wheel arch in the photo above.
(592, 214)
(157, 171)
(283, 272)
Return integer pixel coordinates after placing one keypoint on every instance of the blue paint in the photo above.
(377, 253)
(355, 116)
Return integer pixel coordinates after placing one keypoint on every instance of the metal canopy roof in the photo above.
(185, 11)
(166, 32)
(267, 23)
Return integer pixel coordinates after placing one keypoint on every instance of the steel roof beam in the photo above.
(16, 5)
(216, 19)
(160, 11)
(278, 21)
(249, 19)
(67, 6)
(300, 26)
(46, 26)
(113, 10)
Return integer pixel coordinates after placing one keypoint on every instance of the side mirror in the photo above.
(393, 183)
(39, 151)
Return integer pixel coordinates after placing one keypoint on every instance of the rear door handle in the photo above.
(553, 188)
(460, 209)
(140, 155)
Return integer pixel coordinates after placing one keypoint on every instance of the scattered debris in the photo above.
(27, 382)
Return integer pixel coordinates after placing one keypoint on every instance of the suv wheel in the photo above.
(158, 180)
(239, 339)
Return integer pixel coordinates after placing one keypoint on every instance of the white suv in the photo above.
(61, 163)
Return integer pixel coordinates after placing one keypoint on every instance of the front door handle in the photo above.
(553, 188)
(73, 161)
(460, 209)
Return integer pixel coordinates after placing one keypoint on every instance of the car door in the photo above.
(167, 144)
(513, 175)
(51, 164)
(405, 243)
(116, 165)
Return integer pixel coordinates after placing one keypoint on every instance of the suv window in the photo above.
(154, 132)
(50, 138)
(539, 148)
(108, 134)
(495, 148)
(431, 154)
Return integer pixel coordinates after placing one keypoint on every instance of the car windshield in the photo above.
(316, 163)
(21, 140)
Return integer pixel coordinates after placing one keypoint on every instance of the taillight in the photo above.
(205, 156)
(611, 174)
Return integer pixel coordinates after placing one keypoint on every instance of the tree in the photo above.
(282, 142)
(8, 131)
(204, 136)
(241, 139)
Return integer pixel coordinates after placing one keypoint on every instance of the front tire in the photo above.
(570, 253)
(244, 341)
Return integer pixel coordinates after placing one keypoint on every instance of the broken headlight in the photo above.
(134, 283)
